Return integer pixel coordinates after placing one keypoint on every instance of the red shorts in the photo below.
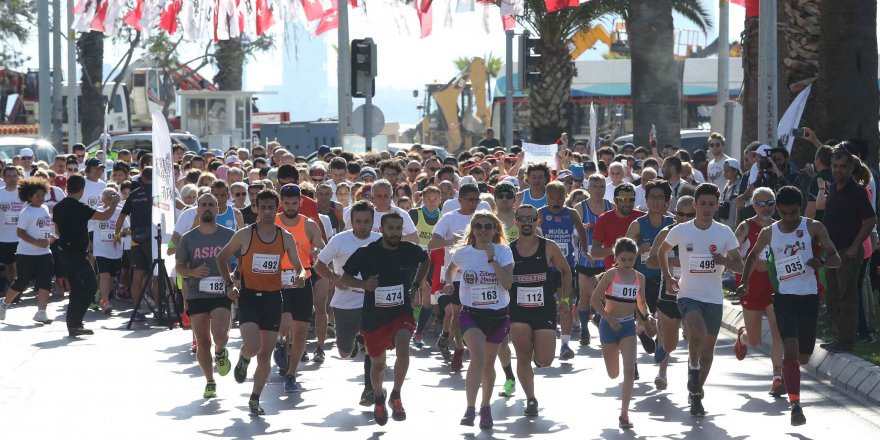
(381, 339)
(760, 292)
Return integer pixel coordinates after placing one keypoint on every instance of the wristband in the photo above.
(566, 301)
(491, 260)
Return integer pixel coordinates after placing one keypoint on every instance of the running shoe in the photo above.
(367, 397)
(210, 390)
(740, 349)
(797, 415)
(139, 316)
(777, 388)
(222, 361)
(3, 307)
(446, 354)
(41, 317)
(240, 373)
(697, 409)
(280, 355)
(443, 343)
(469, 415)
(585, 335)
(417, 341)
(531, 408)
(565, 353)
(397, 411)
(354, 351)
(319, 355)
(636, 372)
(106, 307)
(624, 423)
(660, 382)
(659, 354)
(380, 411)
(486, 418)
(74, 332)
(305, 357)
(331, 330)
(290, 385)
(457, 360)
(647, 343)
(255, 408)
(508, 388)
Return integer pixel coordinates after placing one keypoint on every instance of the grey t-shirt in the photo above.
(195, 249)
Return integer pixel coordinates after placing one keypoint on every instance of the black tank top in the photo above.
(664, 295)
(533, 288)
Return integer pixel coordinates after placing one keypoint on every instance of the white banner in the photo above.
(594, 142)
(163, 182)
(535, 153)
(792, 118)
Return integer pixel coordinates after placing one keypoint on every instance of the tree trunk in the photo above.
(846, 95)
(802, 64)
(549, 98)
(655, 81)
(91, 58)
(229, 57)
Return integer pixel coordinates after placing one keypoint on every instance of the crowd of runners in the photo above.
(369, 250)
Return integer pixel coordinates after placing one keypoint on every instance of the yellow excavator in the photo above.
(456, 114)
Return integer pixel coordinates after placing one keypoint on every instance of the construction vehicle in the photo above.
(455, 115)
(689, 43)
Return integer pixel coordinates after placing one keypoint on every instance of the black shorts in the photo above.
(109, 265)
(539, 320)
(261, 308)
(141, 257)
(7, 252)
(590, 271)
(797, 316)
(652, 293)
(298, 302)
(207, 305)
(669, 308)
(38, 268)
(126, 259)
(56, 256)
(445, 300)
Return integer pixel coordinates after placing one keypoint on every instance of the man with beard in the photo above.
(384, 269)
(208, 307)
(297, 301)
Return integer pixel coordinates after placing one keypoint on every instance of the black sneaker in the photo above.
(240, 372)
(697, 409)
(367, 397)
(531, 408)
(647, 343)
(75, 332)
(305, 357)
(636, 375)
(319, 355)
(585, 335)
(255, 408)
(825, 345)
(443, 343)
(839, 347)
(397, 411)
(380, 411)
(797, 415)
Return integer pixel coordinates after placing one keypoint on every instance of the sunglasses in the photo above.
(239, 194)
(413, 170)
(482, 226)
(505, 195)
(625, 199)
(527, 218)
(686, 214)
(764, 204)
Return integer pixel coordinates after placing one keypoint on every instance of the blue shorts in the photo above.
(608, 336)
(711, 313)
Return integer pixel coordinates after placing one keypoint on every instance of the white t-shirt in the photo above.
(37, 223)
(328, 226)
(92, 197)
(103, 244)
(185, 221)
(10, 207)
(715, 169)
(453, 204)
(337, 251)
(408, 226)
(479, 283)
(59, 196)
(700, 275)
(698, 176)
(641, 200)
(451, 224)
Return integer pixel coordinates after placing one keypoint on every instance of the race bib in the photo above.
(484, 295)
(564, 248)
(676, 271)
(763, 256)
(645, 257)
(702, 263)
(530, 296)
(389, 296)
(625, 291)
(213, 285)
(790, 267)
(265, 263)
(44, 233)
(11, 218)
(287, 277)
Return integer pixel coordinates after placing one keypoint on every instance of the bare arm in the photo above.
(599, 293)
(557, 260)
(832, 257)
(579, 227)
(108, 212)
(653, 262)
(293, 256)
(752, 258)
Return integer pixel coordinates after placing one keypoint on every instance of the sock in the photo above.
(694, 378)
(368, 385)
(424, 319)
(395, 394)
(584, 316)
(379, 398)
(508, 372)
(211, 381)
(791, 374)
(565, 339)
(255, 397)
(777, 371)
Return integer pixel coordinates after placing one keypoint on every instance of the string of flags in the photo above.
(200, 20)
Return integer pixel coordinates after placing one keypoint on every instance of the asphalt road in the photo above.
(145, 383)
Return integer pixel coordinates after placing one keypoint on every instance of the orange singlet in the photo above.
(260, 263)
(303, 245)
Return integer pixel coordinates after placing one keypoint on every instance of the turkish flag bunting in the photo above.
(739, 2)
(556, 5)
(330, 20)
(313, 10)
(100, 16)
(509, 22)
(133, 18)
(168, 17)
(353, 3)
(426, 17)
(265, 18)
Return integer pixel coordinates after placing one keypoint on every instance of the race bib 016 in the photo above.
(625, 291)
(389, 296)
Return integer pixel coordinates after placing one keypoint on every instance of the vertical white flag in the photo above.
(792, 118)
(163, 182)
(593, 135)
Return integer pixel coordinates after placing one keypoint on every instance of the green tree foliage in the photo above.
(17, 22)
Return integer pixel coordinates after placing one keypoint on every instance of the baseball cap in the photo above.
(576, 170)
(512, 180)
(217, 152)
(763, 150)
(367, 171)
(94, 162)
(323, 150)
(467, 180)
(317, 171)
(26, 152)
(564, 174)
(202, 151)
(121, 166)
(733, 163)
(233, 160)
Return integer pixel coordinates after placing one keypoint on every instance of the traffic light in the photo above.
(363, 67)
(529, 60)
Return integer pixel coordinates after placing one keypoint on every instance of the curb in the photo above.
(845, 371)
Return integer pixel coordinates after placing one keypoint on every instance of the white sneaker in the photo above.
(40, 316)
(3, 307)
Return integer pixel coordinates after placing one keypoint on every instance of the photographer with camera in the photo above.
(769, 168)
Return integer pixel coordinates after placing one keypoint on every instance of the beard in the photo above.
(208, 217)
(291, 214)
(527, 230)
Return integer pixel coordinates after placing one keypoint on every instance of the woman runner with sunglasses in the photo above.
(486, 267)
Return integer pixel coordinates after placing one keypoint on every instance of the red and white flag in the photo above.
(247, 17)
(557, 5)
(330, 20)
(426, 17)
(314, 10)
(133, 18)
(168, 17)
(113, 18)
(508, 21)
(100, 15)
(265, 15)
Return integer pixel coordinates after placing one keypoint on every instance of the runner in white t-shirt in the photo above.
(10, 207)
(107, 248)
(705, 249)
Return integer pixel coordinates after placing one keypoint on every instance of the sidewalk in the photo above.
(845, 371)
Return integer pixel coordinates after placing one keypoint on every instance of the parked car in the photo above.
(10, 146)
(691, 140)
(141, 141)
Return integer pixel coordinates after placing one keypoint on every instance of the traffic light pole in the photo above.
(73, 127)
(343, 75)
(56, 74)
(368, 118)
(45, 90)
(768, 119)
(508, 90)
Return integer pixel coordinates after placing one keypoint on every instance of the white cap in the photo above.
(232, 159)
(467, 180)
(763, 150)
(26, 152)
(733, 163)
